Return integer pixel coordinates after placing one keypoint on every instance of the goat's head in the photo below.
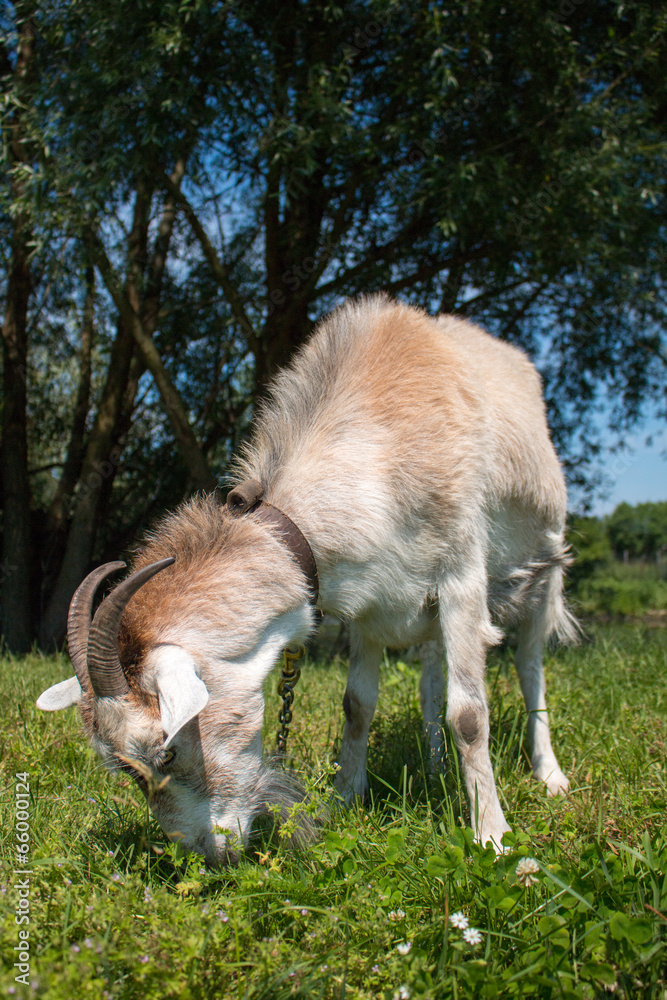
(180, 711)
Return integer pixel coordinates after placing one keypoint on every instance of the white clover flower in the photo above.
(472, 936)
(396, 915)
(404, 947)
(459, 920)
(526, 871)
(402, 993)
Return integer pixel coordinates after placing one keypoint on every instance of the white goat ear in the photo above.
(61, 695)
(181, 693)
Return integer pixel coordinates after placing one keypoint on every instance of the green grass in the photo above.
(116, 912)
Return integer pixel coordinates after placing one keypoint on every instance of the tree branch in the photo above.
(218, 267)
(201, 475)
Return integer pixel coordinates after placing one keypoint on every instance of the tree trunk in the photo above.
(102, 452)
(57, 516)
(284, 331)
(17, 620)
(101, 461)
(134, 350)
(201, 476)
(15, 569)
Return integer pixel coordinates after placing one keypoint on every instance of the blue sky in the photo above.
(636, 475)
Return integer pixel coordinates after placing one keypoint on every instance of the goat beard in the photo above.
(282, 796)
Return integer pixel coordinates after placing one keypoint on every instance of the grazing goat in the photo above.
(402, 465)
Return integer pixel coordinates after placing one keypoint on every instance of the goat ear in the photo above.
(182, 694)
(61, 695)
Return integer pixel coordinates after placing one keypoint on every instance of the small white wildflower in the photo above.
(472, 936)
(304, 913)
(376, 968)
(459, 920)
(402, 993)
(404, 947)
(396, 915)
(526, 871)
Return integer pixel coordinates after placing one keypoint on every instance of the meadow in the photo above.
(394, 900)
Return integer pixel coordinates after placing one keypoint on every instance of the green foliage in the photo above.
(496, 160)
(589, 541)
(639, 531)
(618, 589)
(364, 912)
(599, 582)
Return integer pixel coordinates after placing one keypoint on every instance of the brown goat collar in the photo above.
(247, 498)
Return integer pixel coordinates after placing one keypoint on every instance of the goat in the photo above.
(413, 455)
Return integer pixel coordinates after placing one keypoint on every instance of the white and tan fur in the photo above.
(414, 455)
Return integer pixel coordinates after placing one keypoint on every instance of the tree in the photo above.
(16, 550)
(638, 532)
(230, 171)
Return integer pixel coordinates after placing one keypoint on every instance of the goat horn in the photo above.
(104, 667)
(79, 616)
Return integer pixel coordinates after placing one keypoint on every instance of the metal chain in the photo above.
(289, 676)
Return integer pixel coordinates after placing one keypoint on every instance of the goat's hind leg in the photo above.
(467, 632)
(534, 632)
(359, 703)
(432, 696)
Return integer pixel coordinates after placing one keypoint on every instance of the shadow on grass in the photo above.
(399, 771)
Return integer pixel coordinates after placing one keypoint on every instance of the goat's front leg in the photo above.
(467, 632)
(361, 695)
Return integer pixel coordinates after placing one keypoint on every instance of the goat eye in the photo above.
(167, 757)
